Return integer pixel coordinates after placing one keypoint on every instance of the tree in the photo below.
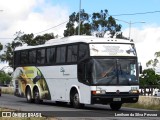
(8, 54)
(84, 24)
(1, 46)
(155, 61)
(29, 39)
(4, 78)
(99, 22)
(21, 39)
(149, 77)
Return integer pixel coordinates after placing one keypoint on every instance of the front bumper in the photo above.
(112, 97)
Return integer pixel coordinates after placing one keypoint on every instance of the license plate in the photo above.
(116, 99)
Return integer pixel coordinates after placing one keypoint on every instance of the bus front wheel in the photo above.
(115, 106)
(75, 100)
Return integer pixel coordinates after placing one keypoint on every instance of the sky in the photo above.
(35, 16)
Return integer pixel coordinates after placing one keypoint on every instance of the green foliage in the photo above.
(149, 77)
(29, 39)
(20, 39)
(1, 46)
(8, 54)
(155, 61)
(4, 78)
(98, 21)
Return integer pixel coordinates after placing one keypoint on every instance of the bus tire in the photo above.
(75, 100)
(29, 96)
(37, 96)
(115, 106)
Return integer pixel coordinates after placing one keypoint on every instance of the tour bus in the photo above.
(78, 70)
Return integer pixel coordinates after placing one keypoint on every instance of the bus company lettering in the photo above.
(112, 50)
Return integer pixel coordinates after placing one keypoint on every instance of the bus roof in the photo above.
(75, 39)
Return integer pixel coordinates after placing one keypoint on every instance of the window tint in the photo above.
(85, 70)
(41, 56)
(24, 57)
(83, 51)
(50, 55)
(72, 53)
(32, 57)
(61, 54)
(17, 58)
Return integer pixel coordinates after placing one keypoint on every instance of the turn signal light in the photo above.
(134, 91)
(98, 92)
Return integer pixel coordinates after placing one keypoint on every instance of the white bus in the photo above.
(78, 70)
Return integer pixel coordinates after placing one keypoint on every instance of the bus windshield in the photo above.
(114, 72)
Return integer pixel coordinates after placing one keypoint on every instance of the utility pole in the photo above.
(129, 23)
(79, 26)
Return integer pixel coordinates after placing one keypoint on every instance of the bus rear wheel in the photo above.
(75, 100)
(37, 96)
(115, 106)
(29, 96)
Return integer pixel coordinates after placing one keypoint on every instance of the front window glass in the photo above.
(114, 71)
(127, 71)
(104, 71)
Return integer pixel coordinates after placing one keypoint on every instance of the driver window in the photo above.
(85, 72)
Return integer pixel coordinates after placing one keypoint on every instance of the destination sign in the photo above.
(112, 50)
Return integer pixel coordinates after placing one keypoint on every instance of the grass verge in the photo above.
(145, 102)
(7, 90)
(141, 106)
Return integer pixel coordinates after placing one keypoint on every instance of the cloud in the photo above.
(30, 16)
(147, 41)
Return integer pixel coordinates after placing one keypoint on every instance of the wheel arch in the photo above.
(75, 88)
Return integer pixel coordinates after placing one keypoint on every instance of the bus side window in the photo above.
(16, 58)
(89, 70)
(32, 57)
(81, 72)
(85, 72)
(41, 56)
(72, 53)
(24, 57)
(83, 51)
(50, 57)
(61, 54)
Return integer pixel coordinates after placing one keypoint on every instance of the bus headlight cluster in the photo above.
(98, 92)
(134, 91)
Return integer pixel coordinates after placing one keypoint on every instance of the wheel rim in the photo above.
(36, 94)
(76, 99)
(28, 96)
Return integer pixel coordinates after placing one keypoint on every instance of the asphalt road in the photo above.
(91, 112)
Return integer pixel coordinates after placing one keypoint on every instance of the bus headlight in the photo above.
(98, 92)
(134, 91)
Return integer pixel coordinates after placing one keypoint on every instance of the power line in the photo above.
(51, 27)
(43, 30)
(151, 12)
(6, 38)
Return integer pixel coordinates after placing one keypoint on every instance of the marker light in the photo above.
(98, 92)
(134, 91)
